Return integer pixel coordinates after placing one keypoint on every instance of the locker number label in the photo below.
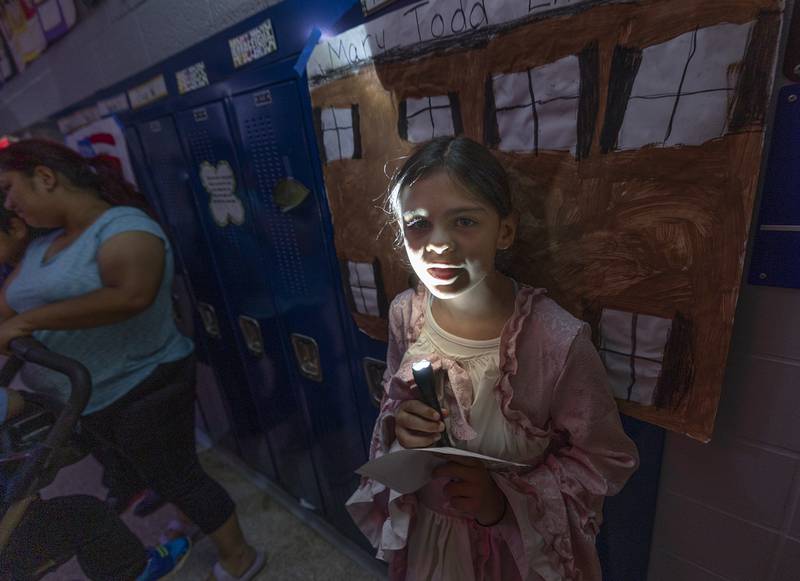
(263, 98)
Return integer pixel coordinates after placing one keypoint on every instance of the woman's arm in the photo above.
(131, 268)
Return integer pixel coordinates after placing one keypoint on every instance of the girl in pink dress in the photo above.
(521, 381)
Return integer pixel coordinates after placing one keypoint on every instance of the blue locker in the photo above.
(187, 318)
(774, 260)
(155, 145)
(246, 278)
(370, 363)
(280, 179)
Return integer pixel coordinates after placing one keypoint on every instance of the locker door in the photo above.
(277, 170)
(161, 158)
(183, 301)
(245, 272)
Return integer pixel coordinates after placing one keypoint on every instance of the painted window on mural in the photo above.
(364, 288)
(632, 348)
(424, 118)
(683, 88)
(339, 130)
(538, 108)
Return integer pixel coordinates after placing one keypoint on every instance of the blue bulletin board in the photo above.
(776, 252)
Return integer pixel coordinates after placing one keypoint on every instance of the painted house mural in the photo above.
(633, 134)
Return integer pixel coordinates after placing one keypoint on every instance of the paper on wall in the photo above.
(429, 117)
(632, 351)
(683, 87)
(552, 91)
(417, 24)
(103, 137)
(408, 470)
(337, 133)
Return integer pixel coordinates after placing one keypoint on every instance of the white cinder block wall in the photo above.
(727, 511)
(118, 39)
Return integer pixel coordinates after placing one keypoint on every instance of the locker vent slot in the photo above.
(269, 170)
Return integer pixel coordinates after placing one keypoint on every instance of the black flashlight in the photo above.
(426, 382)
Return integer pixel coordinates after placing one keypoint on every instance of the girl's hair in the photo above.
(99, 173)
(467, 162)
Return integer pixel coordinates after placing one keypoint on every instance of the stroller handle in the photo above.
(31, 351)
(25, 480)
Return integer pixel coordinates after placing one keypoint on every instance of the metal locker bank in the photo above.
(235, 173)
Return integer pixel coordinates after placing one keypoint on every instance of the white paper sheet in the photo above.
(429, 117)
(407, 471)
(646, 122)
(704, 60)
(516, 129)
(617, 349)
(652, 334)
(700, 117)
(371, 301)
(556, 88)
(337, 133)
(366, 274)
(558, 125)
(718, 47)
(615, 330)
(511, 90)
(561, 78)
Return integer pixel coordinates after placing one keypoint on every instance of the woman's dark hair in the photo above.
(99, 173)
(467, 162)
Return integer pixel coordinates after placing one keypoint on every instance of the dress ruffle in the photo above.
(508, 362)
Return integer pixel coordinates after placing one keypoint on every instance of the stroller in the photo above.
(36, 535)
(36, 445)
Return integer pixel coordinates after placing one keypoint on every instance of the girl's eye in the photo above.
(417, 224)
(465, 222)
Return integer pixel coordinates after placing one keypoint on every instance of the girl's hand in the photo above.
(417, 425)
(472, 489)
(11, 329)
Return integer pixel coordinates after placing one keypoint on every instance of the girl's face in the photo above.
(29, 197)
(450, 235)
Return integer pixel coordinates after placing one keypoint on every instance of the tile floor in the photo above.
(295, 550)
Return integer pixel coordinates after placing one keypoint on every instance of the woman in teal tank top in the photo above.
(98, 289)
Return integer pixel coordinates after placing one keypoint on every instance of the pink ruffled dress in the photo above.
(536, 395)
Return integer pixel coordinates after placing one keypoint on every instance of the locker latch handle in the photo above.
(251, 331)
(209, 317)
(374, 370)
(306, 352)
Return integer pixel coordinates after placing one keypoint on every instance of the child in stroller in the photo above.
(36, 535)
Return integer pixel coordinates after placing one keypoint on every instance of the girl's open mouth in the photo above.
(444, 273)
